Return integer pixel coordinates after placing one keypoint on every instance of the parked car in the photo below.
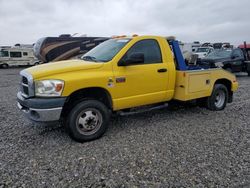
(203, 51)
(233, 60)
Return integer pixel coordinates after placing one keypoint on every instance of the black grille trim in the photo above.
(24, 80)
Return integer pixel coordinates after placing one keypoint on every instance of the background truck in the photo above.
(117, 75)
(203, 51)
(232, 60)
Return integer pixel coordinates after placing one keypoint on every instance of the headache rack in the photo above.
(179, 60)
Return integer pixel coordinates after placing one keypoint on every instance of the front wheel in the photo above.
(88, 120)
(218, 99)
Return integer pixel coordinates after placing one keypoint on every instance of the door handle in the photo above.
(162, 70)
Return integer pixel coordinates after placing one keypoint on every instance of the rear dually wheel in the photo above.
(218, 99)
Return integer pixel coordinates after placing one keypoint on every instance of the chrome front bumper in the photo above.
(41, 109)
(41, 115)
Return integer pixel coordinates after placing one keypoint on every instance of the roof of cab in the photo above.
(169, 38)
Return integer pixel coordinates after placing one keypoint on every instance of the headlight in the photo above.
(49, 88)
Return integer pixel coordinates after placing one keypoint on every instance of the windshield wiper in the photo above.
(89, 58)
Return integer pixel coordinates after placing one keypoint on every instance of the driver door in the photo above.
(237, 60)
(142, 83)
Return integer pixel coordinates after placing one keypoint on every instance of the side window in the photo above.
(150, 48)
(25, 53)
(237, 53)
(4, 54)
(15, 54)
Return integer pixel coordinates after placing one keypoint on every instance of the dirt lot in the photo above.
(189, 147)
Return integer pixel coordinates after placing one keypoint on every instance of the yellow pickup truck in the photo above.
(117, 75)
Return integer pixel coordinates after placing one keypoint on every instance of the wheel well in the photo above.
(228, 85)
(5, 64)
(96, 93)
(225, 82)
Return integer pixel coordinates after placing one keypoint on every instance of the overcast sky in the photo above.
(25, 21)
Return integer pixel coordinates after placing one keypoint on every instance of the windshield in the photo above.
(219, 54)
(202, 50)
(105, 51)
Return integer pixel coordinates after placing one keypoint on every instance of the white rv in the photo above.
(189, 47)
(17, 56)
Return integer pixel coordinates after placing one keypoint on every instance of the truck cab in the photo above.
(117, 75)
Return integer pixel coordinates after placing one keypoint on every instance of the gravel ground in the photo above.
(188, 147)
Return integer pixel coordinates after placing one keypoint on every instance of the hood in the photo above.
(215, 59)
(200, 52)
(62, 67)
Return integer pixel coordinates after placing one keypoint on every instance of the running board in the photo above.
(122, 113)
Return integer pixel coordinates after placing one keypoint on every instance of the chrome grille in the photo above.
(26, 85)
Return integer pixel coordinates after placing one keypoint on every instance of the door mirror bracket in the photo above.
(133, 59)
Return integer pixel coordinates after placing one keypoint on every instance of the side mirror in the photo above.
(133, 59)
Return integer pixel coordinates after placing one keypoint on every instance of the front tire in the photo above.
(88, 120)
(218, 99)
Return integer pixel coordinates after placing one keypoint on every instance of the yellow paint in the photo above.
(143, 85)
(199, 83)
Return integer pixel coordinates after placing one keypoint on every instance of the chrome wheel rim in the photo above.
(89, 121)
(220, 98)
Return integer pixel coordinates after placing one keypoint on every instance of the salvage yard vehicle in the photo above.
(203, 51)
(17, 56)
(232, 60)
(117, 75)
